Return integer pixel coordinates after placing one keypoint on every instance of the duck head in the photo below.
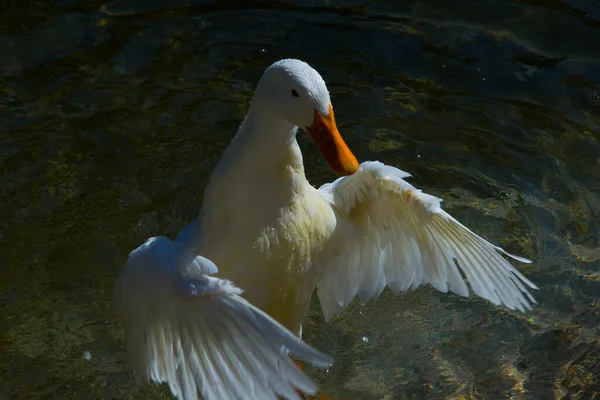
(295, 92)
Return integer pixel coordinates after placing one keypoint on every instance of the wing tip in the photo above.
(533, 286)
(518, 258)
(324, 360)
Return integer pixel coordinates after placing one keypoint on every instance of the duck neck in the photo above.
(264, 154)
(270, 137)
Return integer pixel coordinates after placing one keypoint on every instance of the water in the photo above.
(113, 115)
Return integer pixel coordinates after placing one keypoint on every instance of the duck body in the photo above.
(263, 223)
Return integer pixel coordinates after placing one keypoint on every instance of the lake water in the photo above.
(113, 114)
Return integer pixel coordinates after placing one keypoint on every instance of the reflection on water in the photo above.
(113, 114)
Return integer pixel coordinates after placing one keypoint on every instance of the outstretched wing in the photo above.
(196, 333)
(390, 233)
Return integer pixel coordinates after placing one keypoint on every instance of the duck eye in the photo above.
(294, 93)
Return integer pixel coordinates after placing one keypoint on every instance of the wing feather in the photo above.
(196, 333)
(390, 233)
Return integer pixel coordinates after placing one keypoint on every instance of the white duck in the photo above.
(269, 230)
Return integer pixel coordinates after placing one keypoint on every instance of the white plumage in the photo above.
(390, 233)
(269, 230)
(195, 332)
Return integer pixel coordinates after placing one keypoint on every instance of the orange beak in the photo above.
(335, 151)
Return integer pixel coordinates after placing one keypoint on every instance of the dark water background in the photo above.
(112, 115)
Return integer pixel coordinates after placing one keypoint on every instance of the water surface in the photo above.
(113, 114)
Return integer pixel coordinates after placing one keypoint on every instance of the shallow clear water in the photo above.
(112, 116)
